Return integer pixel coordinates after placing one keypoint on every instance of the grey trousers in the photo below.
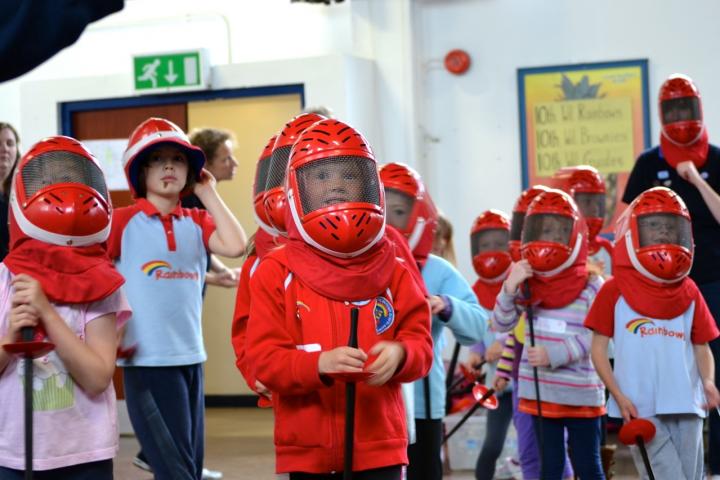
(676, 452)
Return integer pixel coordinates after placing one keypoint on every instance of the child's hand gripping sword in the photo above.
(350, 403)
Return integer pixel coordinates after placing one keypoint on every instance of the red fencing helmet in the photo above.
(587, 187)
(553, 234)
(489, 237)
(261, 174)
(518, 218)
(680, 110)
(334, 190)
(59, 195)
(657, 232)
(419, 219)
(274, 198)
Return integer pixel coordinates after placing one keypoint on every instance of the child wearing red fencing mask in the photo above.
(268, 236)
(661, 327)
(265, 239)
(274, 198)
(491, 260)
(509, 363)
(336, 259)
(489, 237)
(411, 210)
(587, 187)
(554, 251)
(269, 209)
(687, 163)
(58, 279)
(161, 249)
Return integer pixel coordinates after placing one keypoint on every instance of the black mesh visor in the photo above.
(490, 240)
(547, 227)
(516, 225)
(591, 204)
(680, 110)
(62, 167)
(398, 208)
(276, 170)
(664, 228)
(261, 175)
(336, 180)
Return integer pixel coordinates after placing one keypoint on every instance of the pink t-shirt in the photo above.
(70, 427)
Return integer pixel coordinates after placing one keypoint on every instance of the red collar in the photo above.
(150, 210)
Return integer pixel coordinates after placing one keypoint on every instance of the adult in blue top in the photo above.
(410, 209)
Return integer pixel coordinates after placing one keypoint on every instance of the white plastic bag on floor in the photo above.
(508, 468)
(465, 444)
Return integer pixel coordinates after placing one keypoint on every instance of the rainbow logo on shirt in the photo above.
(647, 328)
(633, 326)
(161, 270)
(384, 315)
(150, 267)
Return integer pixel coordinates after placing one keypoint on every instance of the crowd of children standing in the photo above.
(342, 307)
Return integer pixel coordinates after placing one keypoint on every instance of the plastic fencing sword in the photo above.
(485, 397)
(28, 348)
(350, 402)
(451, 375)
(530, 320)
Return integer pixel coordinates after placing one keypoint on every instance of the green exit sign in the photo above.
(170, 71)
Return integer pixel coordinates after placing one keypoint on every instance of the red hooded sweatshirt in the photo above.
(291, 324)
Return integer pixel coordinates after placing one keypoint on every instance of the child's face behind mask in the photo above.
(680, 110)
(658, 229)
(555, 229)
(58, 171)
(326, 183)
(62, 169)
(591, 205)
(398, 207)
(547, 228)
(492, 241)
(166, 171)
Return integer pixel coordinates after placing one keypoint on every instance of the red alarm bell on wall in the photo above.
(457, 61)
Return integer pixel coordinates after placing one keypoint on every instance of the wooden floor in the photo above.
(239, 443)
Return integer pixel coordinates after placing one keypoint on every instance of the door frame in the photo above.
(67, 109)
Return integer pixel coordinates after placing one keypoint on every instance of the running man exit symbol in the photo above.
(179, 71)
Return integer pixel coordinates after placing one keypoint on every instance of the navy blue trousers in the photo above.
(167, 411)
(583, 441)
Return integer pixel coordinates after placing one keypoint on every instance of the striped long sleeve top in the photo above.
(571, 378)
(505, 364)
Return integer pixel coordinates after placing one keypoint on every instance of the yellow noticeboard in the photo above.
(588, 114)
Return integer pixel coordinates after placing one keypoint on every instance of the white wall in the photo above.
(244, 32)
(472, 151)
